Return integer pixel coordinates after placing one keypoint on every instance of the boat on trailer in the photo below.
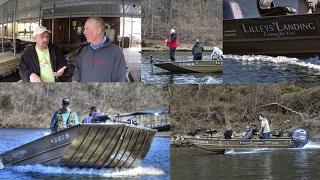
(276, 32)
(100, 145)
(298, 139)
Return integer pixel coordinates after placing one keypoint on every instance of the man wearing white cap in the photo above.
(42, 62)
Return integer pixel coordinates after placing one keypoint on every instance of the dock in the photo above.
(8, 63)
(133, 61)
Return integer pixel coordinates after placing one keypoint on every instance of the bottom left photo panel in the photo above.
(94, 130)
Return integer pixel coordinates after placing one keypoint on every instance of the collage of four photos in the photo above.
(159, 89)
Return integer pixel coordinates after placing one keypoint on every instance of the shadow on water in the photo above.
(162, 76)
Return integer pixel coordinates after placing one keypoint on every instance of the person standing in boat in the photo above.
(42, 62)
(307, 6)
(197, 50)
(265, 128)
(64, 117)
(172, 43)
(94, 112)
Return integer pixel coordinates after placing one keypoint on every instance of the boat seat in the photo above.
(275, 10)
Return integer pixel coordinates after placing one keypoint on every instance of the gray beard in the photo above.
(66, 108)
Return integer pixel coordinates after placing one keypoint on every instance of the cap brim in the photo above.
(41, 32)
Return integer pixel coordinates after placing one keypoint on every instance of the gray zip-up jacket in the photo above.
(105, 64)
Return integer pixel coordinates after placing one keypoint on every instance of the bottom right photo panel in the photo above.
(252, 131)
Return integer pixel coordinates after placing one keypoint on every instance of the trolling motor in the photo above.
(300, 137)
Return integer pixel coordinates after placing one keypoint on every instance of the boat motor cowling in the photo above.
(300, 137)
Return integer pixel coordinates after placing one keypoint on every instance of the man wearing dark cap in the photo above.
(94, 112)
(64, 117)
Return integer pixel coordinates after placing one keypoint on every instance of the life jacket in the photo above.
(70, 120)
(60, 123)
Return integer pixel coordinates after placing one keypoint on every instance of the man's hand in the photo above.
(59, 72)
(35, 78)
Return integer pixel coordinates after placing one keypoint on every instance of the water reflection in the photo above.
(266, 164)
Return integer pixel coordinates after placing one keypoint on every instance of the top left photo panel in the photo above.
(70, 41)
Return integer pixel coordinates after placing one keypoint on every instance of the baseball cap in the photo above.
(66, 101)
(39, 30)
(93, 108)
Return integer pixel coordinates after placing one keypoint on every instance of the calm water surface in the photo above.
(291, 164)
(156, 164)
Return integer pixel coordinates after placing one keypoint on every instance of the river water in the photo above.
(156, 164)
(267, 69)
(163, 76)
(291, 164)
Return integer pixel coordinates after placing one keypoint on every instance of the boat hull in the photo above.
(191, 66)
(292, 35)
(220, 145)
(86, 146)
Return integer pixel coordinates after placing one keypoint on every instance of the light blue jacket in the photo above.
(66, 117)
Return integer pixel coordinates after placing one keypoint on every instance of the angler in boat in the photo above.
(197, 50)
(94, 112)
(64, 117)
(172, 43)
(106, 142)
(299, 138)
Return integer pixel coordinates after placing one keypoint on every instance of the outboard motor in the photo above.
(300, 137)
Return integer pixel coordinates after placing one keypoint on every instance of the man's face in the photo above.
(42, 40)
(92, 31)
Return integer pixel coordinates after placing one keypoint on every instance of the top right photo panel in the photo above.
(271, 41)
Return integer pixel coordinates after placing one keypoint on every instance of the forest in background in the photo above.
(218, 106)
(29, 105)
(192, 19)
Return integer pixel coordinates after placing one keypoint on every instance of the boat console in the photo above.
(232, 10)
(273, 10)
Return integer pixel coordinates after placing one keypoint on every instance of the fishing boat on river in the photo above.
(118, 141)
(278, 31)
(93, 145)
(298, 139)
(198, 66)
